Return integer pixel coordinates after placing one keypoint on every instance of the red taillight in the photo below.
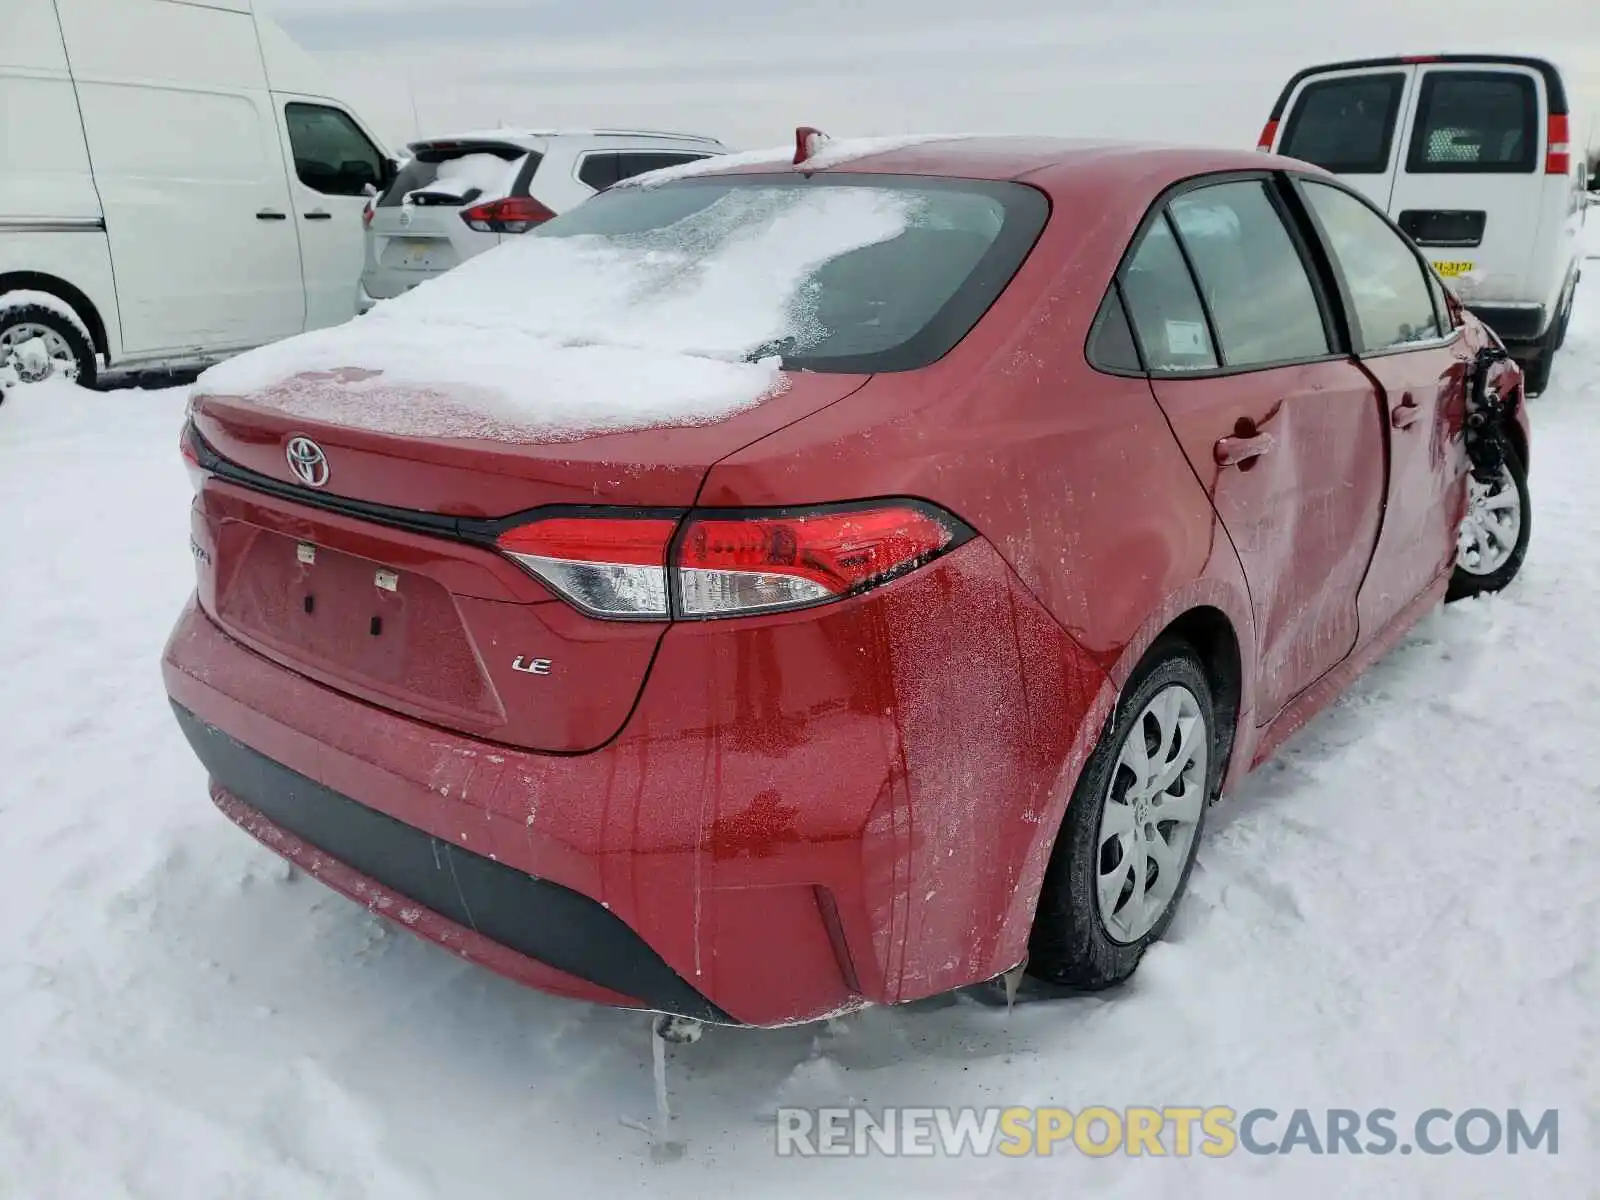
(736, 564)
(1269, 134)
(513, 214)
(368, 212)
(1558, 152)
(729, 563)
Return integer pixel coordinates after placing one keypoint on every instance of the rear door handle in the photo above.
(270, 214)
(1237, 451)
(319, 214)
(1407, 413)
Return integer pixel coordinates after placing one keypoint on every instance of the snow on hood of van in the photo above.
(565, 337)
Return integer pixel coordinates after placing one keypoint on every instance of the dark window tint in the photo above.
(946, 251)
(1167, 315)
(331, 154)
(467, 170)
(1111, 345)
(1252, 275)
(1475, 122)
(1346, 125)
(632, 164)
(1388, 287)
(599, 171)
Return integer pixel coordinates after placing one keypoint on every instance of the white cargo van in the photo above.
(1474, 157)
(176, 185)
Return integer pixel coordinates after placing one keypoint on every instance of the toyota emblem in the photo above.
(307, 461)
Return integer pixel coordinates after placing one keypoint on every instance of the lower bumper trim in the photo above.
(535, 917)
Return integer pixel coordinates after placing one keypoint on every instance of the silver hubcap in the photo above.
(1152, 810)
(1489, 531)
(51, 356)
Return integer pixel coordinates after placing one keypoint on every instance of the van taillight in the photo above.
(729, 563)
(1268, 136)
(514, 214)
(1558, 153)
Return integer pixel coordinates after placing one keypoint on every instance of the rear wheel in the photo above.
(1128, 840)
(1494, 535)
(38, 342)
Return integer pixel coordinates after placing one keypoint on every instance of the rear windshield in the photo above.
(1346, 125)
(1475, 122)
(458, 176)
(941, 253)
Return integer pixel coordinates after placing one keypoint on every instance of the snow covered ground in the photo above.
(1402, 912)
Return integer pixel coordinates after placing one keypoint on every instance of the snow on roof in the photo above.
(520, 134)
(552, 337)
(832, 153)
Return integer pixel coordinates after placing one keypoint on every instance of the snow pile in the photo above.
(478, 176)
(568, 336)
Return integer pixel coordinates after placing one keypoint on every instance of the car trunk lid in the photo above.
(384, 582)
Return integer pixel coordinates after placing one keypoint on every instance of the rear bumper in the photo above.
(1518, 325)
(804, 814)
(590, 950)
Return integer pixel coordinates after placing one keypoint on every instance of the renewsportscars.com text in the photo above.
(1175, 1131)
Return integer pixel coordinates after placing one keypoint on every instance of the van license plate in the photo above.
(1450, 270)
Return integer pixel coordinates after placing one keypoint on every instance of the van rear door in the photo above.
(1348, 121)
(1472, 178)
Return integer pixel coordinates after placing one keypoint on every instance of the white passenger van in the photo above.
(1474, 156)
(176, 184)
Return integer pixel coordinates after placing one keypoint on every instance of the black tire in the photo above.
(1070, 945)
(1464, 584)
(84, 363)
(1565, 323)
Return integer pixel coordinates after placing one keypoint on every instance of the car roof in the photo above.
(1554, 88)
(535, 139)
(1053, 164)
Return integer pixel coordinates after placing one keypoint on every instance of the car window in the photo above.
(1393, 303)
(1441, 306)
(1111, 344)
(331, 154)
(599, 171)
(935, 254)
(638, 163)
(1253, 278)
(1475, 122)
(1165, 308)
(1346, 125)
(457, 174)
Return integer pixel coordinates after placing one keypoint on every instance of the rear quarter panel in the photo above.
(1072, 475)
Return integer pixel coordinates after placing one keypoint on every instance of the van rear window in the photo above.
(1346, 125)
(1475, 122)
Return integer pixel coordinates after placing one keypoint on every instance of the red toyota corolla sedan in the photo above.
(777, 587)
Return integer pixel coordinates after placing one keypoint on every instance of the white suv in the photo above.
(1472, 155)
(458, 196)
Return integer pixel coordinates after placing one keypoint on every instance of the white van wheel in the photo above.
(38, 343)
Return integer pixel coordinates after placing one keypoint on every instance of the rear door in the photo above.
(1281, 427)
(1351, 123)
(334, 164)
(1471, 179)
(1404, 336)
